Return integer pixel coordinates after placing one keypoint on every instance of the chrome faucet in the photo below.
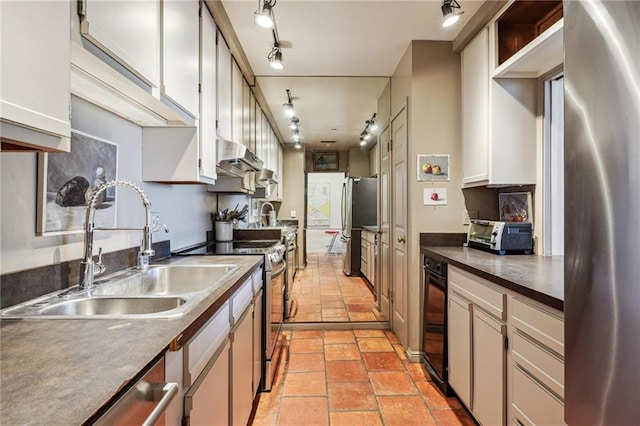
(88, 268)
(271, 217)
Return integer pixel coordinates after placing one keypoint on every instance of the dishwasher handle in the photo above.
(164, 394)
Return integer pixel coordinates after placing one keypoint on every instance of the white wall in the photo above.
(185, 209)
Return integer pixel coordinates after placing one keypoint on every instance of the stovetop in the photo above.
(228, 247)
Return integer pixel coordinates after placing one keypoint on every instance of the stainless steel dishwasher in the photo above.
(144, 403)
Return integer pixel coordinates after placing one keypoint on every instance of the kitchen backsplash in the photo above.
(18, 287)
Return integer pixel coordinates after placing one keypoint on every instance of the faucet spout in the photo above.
(87, 265)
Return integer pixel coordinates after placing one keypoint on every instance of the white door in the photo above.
(383, 241)
(399, 301)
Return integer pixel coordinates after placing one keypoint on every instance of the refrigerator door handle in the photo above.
(344, 204)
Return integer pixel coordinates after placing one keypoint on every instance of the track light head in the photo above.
(275, 57)
(297, 145)
(450, 17)
(288, 110)
(263, 17)
(294, 123)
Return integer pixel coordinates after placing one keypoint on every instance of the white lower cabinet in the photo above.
(241, 368)
(459, 329)
(257, 340)
(518, 381)
(477, 355)
(488, 369)
(207, 401)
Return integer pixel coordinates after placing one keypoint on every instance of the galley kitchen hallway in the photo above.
(323, 293)
(348, 377)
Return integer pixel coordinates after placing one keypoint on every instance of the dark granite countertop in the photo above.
(537, 277)
(61, 372)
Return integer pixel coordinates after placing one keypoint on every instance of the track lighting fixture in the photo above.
(275, 57)
(370, 126)
(293, 126)
(297, 145)
(263, 17)
(450, 17)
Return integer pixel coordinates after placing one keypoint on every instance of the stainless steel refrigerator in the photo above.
(602, 210)
(359, 208)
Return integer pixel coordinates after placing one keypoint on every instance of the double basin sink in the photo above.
(160, 291)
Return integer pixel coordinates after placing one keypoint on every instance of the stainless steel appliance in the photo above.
(501, 237)
(274, 278)
(289, 239)
(359, 208)
(434, 325)
(602, 198)
(145, 402)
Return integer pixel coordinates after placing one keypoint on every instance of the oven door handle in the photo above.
(276, 273)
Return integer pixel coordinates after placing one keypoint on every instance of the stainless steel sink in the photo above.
(114, 306)
(165, 280)
(161, 291)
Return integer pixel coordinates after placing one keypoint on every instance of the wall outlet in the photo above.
(155, 219)
(294, 214)
(466, 220)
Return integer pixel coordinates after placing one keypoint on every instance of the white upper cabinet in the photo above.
(246, 114)
(236, 104)
(208, 142)
(498, 121)
(128, 31)
(187, 154)
(35, 96)
(180, 53)
(224, 90)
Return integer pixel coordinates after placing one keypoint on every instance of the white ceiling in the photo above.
(338, 56)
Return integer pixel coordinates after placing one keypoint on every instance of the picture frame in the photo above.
(515, 207)
(325, 161)
(66, 181)
(433, 167)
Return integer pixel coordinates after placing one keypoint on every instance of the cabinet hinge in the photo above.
(199, 88)
(199, 163)
(506, 342)
(70, 111)
(82, 8)
(389, 146)
(390, 295)
(200, 10)
(216, 124)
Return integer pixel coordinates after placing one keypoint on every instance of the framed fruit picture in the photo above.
(433, 167)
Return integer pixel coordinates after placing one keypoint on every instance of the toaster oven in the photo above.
(501, 237)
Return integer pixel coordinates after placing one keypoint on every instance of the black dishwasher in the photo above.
(434, 343)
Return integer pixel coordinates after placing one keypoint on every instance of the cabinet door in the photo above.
(241, 369)
(129, 32)
(35, 77)
(257, 341)
(180, 36)
(207, 401)
(208, 97)
(224, 89)
(236, 104)
(459, 338)
(246, 114)
(475, 109)
(488, 369)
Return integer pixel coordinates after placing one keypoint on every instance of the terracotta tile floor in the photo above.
(353, 377)
(324, 294)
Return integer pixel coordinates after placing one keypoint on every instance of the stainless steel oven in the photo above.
(290, 243)
(434, 323)
(275, 304)
(274, 277)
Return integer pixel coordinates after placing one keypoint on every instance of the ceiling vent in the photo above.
(328, 142)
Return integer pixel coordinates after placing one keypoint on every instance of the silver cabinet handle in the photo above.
(163, 395)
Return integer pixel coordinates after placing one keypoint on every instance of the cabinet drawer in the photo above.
(474, 289)
(203, 345)
(541, 325)
(540, 362)
(533, 404)
(240, 300)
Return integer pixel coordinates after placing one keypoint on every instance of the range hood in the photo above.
(266, 177)
(235, 159)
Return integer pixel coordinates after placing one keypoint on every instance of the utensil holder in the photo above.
(223, 231)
